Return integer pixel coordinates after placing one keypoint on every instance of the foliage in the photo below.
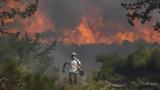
(14, 77)
(27, 50)
(109, 65)
(15, 69)
(8, 13)
(141, 64)
(92, 85)
(142, 10)
(23, 60)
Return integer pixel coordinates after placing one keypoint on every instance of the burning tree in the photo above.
(143, 10)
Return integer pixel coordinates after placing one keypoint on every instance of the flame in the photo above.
(8, 5)
(35, 24)
(83, 34)
(38, 24)
(11, 3)
(146, 33)
(8, 20)
(92, 30)
(129, 36)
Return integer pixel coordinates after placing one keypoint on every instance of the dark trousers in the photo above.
(72, 78)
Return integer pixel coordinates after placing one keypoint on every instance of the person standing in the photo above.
(74, 68)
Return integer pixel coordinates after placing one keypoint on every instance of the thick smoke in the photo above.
(68, 13)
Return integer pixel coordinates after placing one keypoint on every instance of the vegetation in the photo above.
(23, 60)
(142, 64)
(143, 10)
(12, 13)
(16, 77)
(23, 63)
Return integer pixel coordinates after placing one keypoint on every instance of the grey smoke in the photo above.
(68, 13)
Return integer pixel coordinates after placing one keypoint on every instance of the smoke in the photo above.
(68, 13)
(92, 22)
(82, 26)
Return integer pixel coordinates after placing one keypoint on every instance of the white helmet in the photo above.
(74, 54)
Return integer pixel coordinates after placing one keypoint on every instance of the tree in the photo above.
(27, 49)
(142, 10)
(9, 13)
(20, 55)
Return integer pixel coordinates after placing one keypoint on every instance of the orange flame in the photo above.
(82, 35)
(146, 33)
(39, 23)
(92, 30)
(89, 31)
(8, 20)
(85, 35)
(120, 37)
(35, 24)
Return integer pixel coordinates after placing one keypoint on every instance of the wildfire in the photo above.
(35, 24)
(39, 23)
(83, 34)
(8, 20)
(129, 36)
(147, 34)
(11, 3)
(91, 29)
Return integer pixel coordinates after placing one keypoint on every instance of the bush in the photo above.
(143, 63)
(14, 76)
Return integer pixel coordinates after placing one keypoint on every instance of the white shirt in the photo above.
(74, 65)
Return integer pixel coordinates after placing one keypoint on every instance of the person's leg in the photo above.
(75, 78)
(70, 78)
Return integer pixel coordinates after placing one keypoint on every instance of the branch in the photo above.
(13, 12)
(51, 47)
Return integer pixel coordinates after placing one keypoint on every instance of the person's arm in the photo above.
(64, 65)
(79, 64)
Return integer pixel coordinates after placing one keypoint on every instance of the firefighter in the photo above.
(74, 68)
